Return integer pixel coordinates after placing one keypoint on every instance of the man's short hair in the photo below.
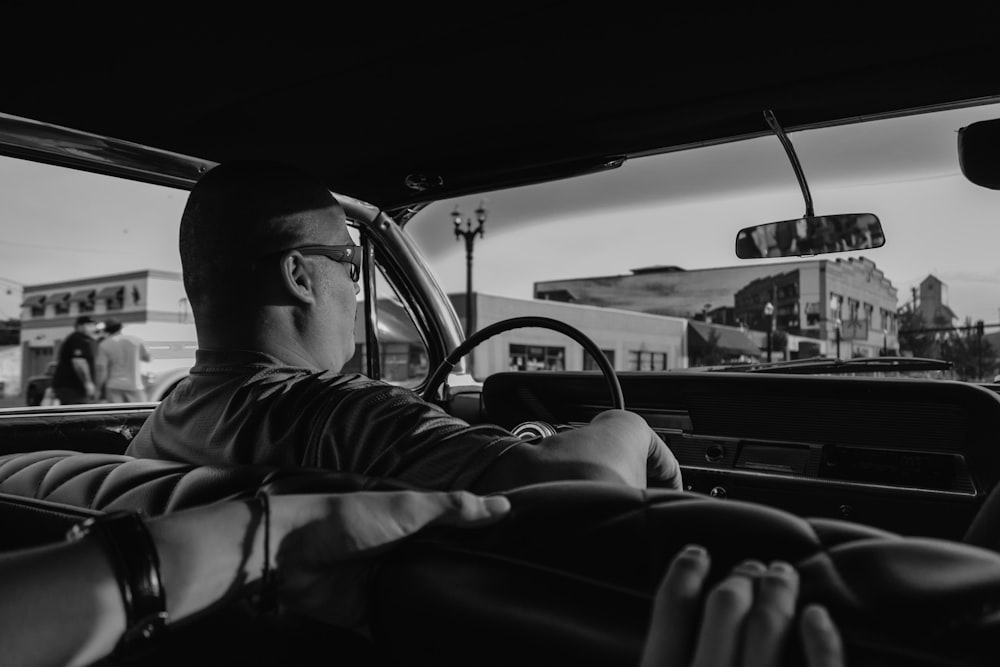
(85, 319)
(112, 326)
(237, 211)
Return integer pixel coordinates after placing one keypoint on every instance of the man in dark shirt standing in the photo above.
(73, 381)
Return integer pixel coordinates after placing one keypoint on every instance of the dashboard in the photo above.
(913, 456)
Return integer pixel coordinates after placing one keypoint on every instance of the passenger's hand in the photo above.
(745, 620)
(326, 545)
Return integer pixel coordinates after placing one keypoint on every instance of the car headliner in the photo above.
(415, 106)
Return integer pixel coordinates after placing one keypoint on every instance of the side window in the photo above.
(403, 357)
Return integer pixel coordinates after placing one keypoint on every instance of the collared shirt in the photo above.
(241, 407)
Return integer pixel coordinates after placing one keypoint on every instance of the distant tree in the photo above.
(915, 337)
(972, 356)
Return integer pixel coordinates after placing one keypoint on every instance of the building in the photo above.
(630, 340)
(845, 307)
(932, 305)
(150, 304)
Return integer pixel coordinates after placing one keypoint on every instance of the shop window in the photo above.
(536, 358)
(589, 364)
(643, 360)
(813, 314)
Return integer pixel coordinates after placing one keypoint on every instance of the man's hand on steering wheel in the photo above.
(661, 466)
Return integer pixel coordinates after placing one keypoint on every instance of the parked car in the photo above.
(35, 385)
(157, 383)
(701, 194)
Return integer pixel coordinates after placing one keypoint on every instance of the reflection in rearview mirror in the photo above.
(810, 236)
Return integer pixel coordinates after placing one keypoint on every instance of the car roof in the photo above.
(416, 104)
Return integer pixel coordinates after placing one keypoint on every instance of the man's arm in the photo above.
(616, 446)
(101, 367)
(82, 369)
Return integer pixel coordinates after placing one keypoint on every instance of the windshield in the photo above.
(642, 258)
(657, 237)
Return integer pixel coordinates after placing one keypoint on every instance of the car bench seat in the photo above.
(568, 578)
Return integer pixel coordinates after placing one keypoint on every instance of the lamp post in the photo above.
(469, 234)
(769, 314)
(885, 341)
(835, 309)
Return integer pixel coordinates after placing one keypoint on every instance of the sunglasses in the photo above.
(345, 254)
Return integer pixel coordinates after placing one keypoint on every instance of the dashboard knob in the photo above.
(715, 453)
(718, 492)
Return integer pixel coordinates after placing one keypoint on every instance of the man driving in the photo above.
(271, 273)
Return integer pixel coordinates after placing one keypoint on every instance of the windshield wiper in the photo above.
(825, 365)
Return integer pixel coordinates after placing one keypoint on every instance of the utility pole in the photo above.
(835, 311)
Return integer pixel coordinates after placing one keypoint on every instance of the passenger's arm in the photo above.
(616, 446)
(61, 603)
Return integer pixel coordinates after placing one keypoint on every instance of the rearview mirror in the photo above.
(979, 153)
(810, 236)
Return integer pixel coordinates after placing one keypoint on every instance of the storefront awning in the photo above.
(82, 295)
(58, 297)
(727, 340)
(112, 292)
(33, 301)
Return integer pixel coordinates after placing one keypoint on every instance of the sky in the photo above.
(685, 209)
(680, 209)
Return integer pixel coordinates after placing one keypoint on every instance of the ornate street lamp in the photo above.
(769, 314)
(469, 234)
(835, 308)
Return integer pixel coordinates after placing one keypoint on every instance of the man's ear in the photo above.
(297, 278)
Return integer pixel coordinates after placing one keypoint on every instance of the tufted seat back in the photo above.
(569, 576)
(569, 579)
(114, 481)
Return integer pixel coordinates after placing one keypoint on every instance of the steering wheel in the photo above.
(442, 371)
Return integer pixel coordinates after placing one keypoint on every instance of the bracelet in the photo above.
(266, 597)
(136, 565)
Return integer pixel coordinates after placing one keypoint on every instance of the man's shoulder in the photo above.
(80, 343)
